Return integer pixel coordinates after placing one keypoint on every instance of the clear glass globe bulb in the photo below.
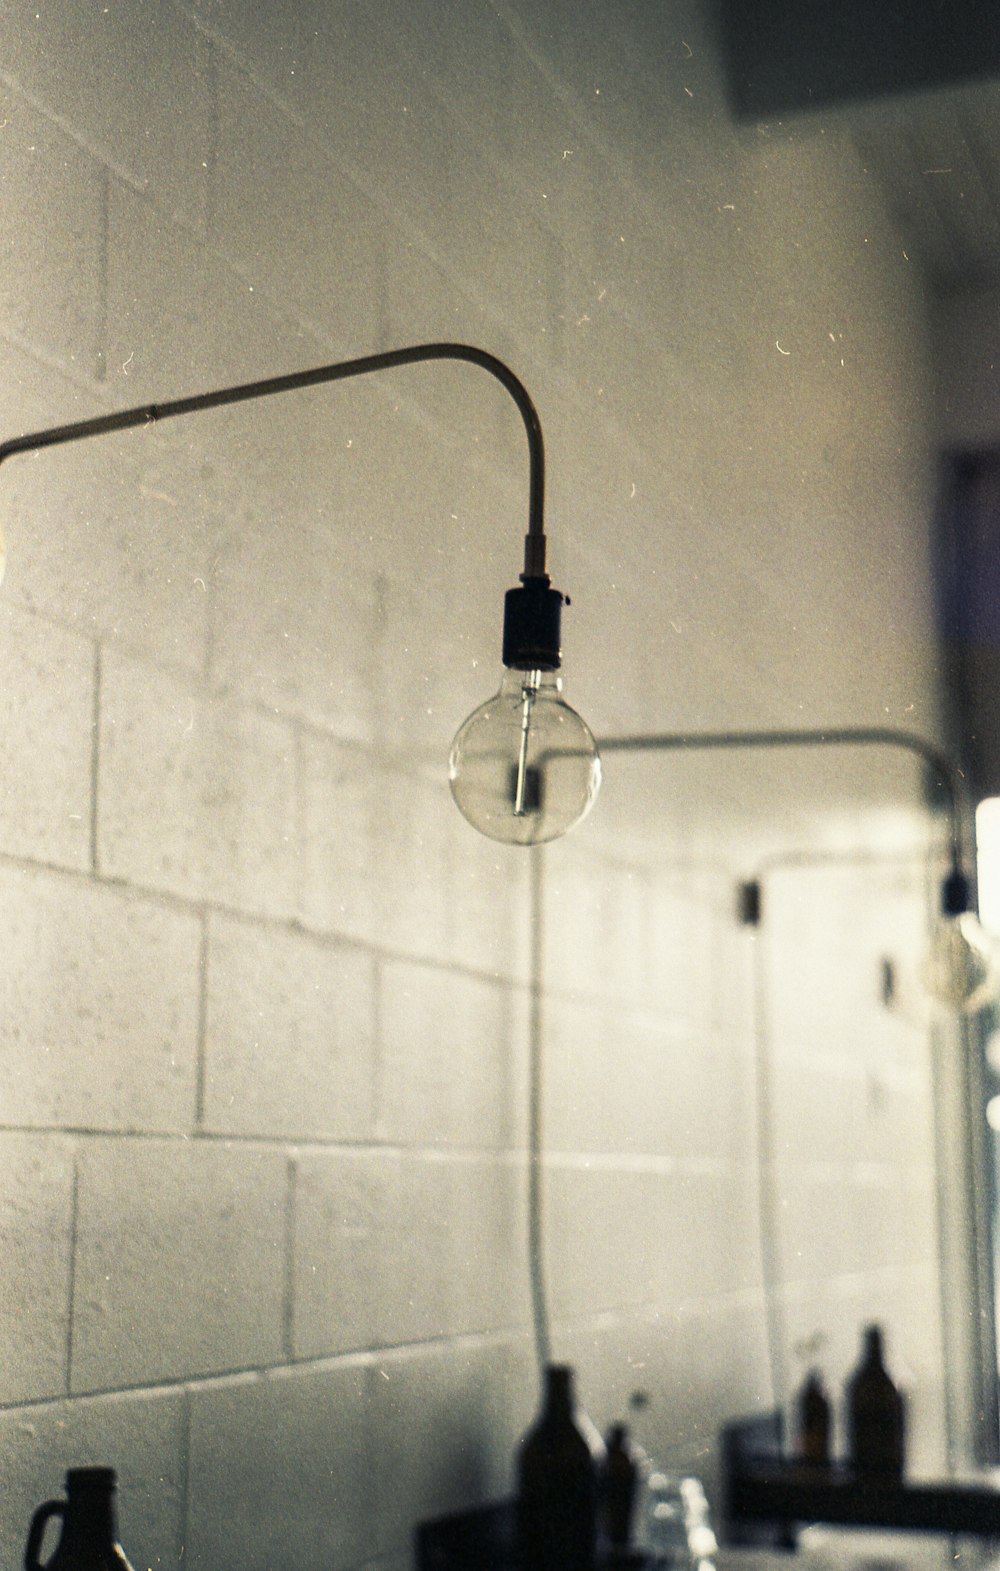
(961, 967)
(524, 767)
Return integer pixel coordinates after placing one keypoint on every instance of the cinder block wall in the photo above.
(266, 998)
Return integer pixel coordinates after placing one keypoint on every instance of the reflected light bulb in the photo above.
(962, 967)
(524, 767)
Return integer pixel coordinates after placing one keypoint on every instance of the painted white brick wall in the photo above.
(36, 1227)
(46, 805)
(266, 998)
(100, 991)
(305, 1491)
(51, 296)
(150, 1214)
(289, 1035)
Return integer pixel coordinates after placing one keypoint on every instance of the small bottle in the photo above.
(619, 1481)
(875, 1416)
(89, 1537)
(557, 1467)
(812, 1422)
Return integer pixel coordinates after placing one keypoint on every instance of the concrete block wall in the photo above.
(266, 999)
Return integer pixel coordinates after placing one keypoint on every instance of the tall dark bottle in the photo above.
(557, 1469)
(875, 1415)
(89, 1537)
(619, 1481)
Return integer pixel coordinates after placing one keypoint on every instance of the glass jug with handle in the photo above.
(89, 1537)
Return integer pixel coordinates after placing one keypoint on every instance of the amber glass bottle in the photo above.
(89, 1537)
(557, 1467)
(812, 1422)
(875, 1416)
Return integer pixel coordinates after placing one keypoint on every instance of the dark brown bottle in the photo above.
(557, 1483)
(875, 1417)
(618, 1483)
(89, 1537)
(812, 1422)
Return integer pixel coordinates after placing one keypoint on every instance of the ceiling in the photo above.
(918, 84)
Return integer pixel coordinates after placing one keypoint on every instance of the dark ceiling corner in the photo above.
(967, 593)
(788, 55)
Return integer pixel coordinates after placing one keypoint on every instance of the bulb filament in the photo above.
(529, 691)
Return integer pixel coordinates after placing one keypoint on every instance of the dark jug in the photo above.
(89, 1537)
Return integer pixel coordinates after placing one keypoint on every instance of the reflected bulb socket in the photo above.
(955, 894)
(532, 626)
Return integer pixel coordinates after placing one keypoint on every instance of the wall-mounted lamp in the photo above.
(961, 966)
(524, 767)
(960, 969)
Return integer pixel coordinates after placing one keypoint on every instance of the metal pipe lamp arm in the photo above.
(486, 745)
(338, 371)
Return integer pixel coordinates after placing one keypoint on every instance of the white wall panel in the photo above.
(265, 994)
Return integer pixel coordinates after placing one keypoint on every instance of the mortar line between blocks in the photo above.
(288, 1305)
(214, 130)
(201, 1043)
(95, 760)
(103, 277)
(184, 1524)
(377, 1084)
(195, 903)
(193, 1383)
(71, 1285)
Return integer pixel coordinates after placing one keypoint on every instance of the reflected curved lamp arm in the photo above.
(843, 736)
(494, 774)
(960, 970)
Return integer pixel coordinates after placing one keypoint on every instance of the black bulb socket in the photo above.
(749, 903)
(532, 620)
(955, 894)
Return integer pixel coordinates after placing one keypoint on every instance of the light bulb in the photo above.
(524, 767)
(961, 967)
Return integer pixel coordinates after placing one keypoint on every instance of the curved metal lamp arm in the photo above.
(846, 736)
(149, 414)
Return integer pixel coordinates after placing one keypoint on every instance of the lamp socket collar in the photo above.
(532, 619)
